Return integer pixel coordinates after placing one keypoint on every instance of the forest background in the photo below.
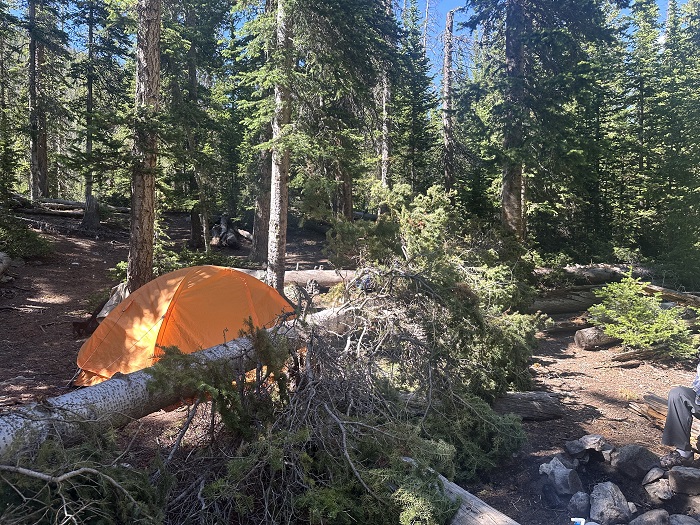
(558, 132)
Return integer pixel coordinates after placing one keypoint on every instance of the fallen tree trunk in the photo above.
(124, 398)
(324, 278)
(530, 406)
(472, 510)
(673, 295)
(571, 300)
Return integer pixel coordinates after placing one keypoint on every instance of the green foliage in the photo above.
(628, 313)
(110, 492)
(18, 241)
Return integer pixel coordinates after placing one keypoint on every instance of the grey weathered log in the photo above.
(472, 510)
(530, 406)
(324, 278)
(592, 338)
(125, 398)
(570, 300)
(673, 295)
(4, 262)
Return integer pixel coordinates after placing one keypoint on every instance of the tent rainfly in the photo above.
(192, 309)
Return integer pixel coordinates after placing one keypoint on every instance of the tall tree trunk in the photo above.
(143, 180)
(386, 117)
(91, 218)
(425, 26)
(447, 127)
(261, 221)
(37, 114)
(279, 187)
(512, 190)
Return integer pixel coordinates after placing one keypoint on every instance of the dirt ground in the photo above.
(38, 350)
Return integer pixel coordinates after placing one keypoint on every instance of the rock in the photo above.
(653, 475)
(608, 504)
(653, 517)
(659, 490)
(565, 481)
(607, 452)
(685, 480)
(632, 507)
(593, 338)
(680, 519)
(579, 504)
(634, 461)
(579, 446)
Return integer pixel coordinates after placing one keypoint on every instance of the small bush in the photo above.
(628, 313)
(18, 241)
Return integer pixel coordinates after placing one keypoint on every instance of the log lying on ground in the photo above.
(530, 406)
(654, 409)
(673, 295)
(324, 278)
(593, 338)
(567, 301)
(472, 510)
(124, 398)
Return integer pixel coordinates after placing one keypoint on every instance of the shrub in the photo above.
(628, 313)
(18, 241)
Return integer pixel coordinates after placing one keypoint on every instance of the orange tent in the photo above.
(192, 308)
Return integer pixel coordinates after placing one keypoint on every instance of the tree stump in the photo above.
(593, 338)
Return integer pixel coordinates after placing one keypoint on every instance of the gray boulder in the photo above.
(653, 475)
(578, 447)
(659, 490)
(653, 517)
(579, 504)
(608, 505)
(634, 461)
(685, 480)
(565, 481)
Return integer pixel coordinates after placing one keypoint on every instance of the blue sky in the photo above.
(438, 11)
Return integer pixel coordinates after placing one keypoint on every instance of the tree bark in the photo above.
(39, 185)
(447, 127)
(512, 188)
(143, 180)
(279, 187)
(91, 218)
(261, 221)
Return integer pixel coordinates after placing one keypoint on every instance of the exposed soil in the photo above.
(38, 350)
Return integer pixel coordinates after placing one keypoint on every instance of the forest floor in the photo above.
(38, 350)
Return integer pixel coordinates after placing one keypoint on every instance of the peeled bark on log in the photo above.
(593, 338)
(4, 262)
(530, 406)
(124, 398)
